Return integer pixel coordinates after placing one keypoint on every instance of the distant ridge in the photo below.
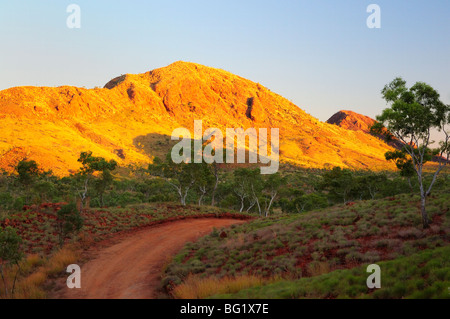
(358, 122)
(352, 121)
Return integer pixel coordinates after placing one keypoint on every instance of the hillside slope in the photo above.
(308, 245)
(132, 117)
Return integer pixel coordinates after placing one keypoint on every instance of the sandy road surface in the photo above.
(131, 268)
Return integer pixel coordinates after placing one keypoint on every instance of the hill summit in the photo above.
(132, 117)
(352, 121)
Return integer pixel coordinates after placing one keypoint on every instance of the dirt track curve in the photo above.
(131, 268)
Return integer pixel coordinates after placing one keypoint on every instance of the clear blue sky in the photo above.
(319, 54)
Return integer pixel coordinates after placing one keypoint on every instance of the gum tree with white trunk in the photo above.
(413, 115)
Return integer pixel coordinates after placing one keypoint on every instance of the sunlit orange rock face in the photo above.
(132, 117)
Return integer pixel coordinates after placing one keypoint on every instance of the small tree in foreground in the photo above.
(182, 177)
(27, 171)
(205, 180)
(69, 221)
(271, 185)
(403, 163)
(413, 115)
(257, 191)
(10, 254)
(339, 183)
(307, 202)
(93, 164)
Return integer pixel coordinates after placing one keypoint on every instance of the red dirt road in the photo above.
(131, 268)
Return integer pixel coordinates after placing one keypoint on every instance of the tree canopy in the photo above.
(413, 115)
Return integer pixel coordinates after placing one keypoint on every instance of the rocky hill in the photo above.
(360, 123)
(352, 121)
(132, 117)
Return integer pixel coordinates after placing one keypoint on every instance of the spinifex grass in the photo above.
(318, 242)
(425, 274)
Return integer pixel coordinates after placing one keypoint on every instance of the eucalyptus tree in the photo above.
(413, 115)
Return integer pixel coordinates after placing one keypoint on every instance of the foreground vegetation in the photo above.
(315, 221)
(422, 275)
(43, 256)
(38, 225)
(33, 273)
(292, 190)
(327, 241)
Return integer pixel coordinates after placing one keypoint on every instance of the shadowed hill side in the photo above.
(53, 125)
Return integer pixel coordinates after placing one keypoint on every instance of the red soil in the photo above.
(130, 266)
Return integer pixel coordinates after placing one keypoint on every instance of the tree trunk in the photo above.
(423, 198)
(180, 193)
(83, 195)
(425, 220)
(250, 206)
(259, 206)
(242, 205)
(15, 280)
(203, 191)
(270, 203)
(4, 281)
(410, 185)
(213, 198)
(184, 196)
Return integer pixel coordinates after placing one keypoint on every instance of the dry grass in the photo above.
(29, 279)
(235, 243)
(318, 268)
(34, 272)
(61, 259)
(315, 243)
(195, 287)
(30, 287)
